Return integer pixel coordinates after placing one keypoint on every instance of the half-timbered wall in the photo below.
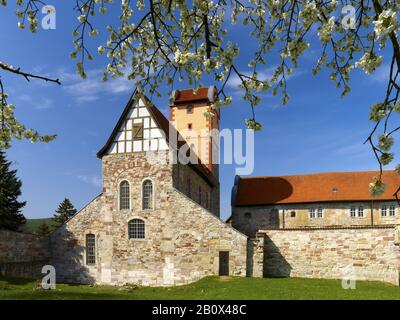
(127, 140)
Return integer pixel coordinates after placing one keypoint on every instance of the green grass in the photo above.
(32, 225)
(208, 288)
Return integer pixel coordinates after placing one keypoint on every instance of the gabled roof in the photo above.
(308, 188)
(163, 123)
(120, 122)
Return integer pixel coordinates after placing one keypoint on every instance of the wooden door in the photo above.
(224, 263)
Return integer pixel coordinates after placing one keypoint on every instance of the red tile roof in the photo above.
(188, 95)
(318, 187)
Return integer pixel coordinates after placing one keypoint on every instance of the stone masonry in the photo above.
(251, 219)
(22, 255)
(349, 253)
(182, 242)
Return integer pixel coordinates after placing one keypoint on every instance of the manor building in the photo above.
(320, 200)
(156, 221)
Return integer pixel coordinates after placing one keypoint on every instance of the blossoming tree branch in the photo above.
(166, 41)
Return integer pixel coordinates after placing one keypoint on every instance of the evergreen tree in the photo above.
(43, 229)
(65, 211)
(11, 217)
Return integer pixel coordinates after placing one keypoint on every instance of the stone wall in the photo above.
(182, 239)
(22, 255)
(251, 219)
(366, 253)
(182, 174)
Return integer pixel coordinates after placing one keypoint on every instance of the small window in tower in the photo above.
(189, 187)
(189, 109)
(200, 198)
(189, 126)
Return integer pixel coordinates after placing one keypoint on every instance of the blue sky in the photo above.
(317, 131)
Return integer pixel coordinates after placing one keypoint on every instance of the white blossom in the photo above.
(326, 30)
(386, 23)
(369, 62)
(309, 14)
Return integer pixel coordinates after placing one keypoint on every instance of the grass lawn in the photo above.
(208, 288)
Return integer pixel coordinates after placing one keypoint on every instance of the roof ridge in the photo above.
(315, 173)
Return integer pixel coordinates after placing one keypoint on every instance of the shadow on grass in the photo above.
(16, 281)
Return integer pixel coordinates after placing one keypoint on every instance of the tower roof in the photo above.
(189, 96)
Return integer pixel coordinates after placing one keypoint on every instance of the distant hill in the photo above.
(32, 225)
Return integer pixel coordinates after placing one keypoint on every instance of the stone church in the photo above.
(157, 222)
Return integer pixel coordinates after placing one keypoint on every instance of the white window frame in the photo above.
(392, 209)
(384, 211)
(95, 250)
(360, 211)
(152, 195)
(353, 212)
(119, 194)
(320, 212)
(145, 229)
(312, 213)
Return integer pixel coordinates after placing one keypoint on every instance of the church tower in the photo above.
(200, 132)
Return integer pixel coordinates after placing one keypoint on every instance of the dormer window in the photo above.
(189, 109)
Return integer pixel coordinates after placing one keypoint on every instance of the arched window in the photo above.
(90, 249)
(147, 195)
(136, 229)
(124, 195)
